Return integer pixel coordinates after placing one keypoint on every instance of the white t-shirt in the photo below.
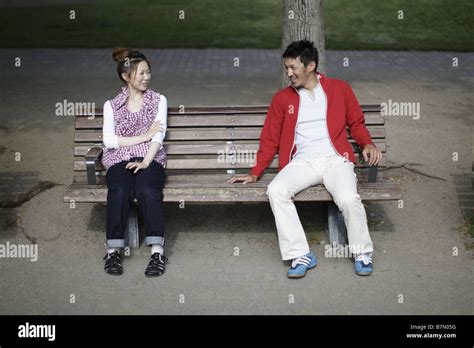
(312, 136)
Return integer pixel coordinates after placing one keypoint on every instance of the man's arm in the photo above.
(356, 122)
(269, 142)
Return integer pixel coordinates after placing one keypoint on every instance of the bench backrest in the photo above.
(210, 139)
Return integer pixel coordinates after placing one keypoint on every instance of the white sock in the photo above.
(111, 250)
(156, 248)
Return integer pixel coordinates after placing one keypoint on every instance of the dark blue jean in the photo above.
(123, 186)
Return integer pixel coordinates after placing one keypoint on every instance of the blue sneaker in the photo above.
(300, 265)
(363, 264)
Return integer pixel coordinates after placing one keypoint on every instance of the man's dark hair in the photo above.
(304, 49)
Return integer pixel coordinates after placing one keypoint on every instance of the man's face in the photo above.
(298, 74)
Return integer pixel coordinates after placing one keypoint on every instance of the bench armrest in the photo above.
(92, 158)
(93, 154)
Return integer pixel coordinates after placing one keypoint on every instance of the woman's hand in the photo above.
(154, 128)
(137, 165)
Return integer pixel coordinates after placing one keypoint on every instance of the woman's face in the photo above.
(140, 79)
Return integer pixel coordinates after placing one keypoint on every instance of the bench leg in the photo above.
(337, 233)
(131, 234)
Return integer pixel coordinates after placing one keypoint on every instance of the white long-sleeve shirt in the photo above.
(109, 137)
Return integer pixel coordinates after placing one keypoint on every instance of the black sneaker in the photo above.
(156, 267)
(113, 265)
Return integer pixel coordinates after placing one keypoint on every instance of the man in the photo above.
(306, 123)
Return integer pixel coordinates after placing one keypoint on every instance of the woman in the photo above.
(134, 157)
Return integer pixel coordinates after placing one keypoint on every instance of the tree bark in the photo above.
(303, 20)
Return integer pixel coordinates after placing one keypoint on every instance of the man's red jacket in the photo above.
(279, 129)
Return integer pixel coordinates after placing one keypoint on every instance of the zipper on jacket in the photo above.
(327, 125)
(296, 125)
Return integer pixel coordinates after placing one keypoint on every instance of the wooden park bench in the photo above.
(205, 147)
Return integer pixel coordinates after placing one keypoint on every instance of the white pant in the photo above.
(337, 175)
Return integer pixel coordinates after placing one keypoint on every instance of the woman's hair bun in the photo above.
(119, 54)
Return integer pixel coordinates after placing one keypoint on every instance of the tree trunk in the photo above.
(303, 20)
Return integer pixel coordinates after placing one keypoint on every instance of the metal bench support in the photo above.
(337, 233)
(131, 233)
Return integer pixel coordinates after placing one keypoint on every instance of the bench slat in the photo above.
(188, 163)
(211, 121)
(205, 148)
(240, 193)
(219, 180)
(238, 109)
(208, 134)
(204, 163)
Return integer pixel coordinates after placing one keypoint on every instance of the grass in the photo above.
(467, 231)
(361, 24)
(207, 23)
(374, 25)
(470, 226)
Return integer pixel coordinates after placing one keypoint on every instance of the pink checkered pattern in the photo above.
(129, 124)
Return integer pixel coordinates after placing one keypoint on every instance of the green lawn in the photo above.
(470, 226)
(427, 24)
(350, 24)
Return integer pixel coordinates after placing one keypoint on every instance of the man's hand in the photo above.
(371, 154)
(243, 178)
(137, 165)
